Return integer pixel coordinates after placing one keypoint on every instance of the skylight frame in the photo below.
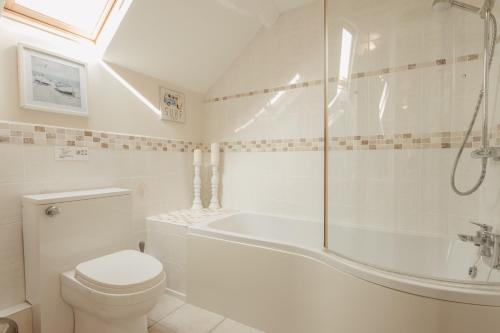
(34, 18)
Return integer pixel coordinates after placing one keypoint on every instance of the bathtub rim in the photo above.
(466, 293)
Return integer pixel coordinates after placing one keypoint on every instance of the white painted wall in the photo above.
(112, 106)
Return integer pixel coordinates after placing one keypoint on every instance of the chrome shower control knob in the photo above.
(473, 272)
(52, 211)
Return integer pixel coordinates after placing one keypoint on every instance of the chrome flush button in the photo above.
(52, 211)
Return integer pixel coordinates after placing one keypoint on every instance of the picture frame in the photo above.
(172, 105)
(51, 82)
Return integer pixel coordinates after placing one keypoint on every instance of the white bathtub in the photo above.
(271, 273)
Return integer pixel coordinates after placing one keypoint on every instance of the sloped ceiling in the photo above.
(190, 43)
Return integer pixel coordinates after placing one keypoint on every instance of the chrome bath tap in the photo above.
(484, 238)
(489, 247)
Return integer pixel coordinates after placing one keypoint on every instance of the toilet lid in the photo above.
(121, 272)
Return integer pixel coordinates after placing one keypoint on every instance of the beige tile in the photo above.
(12, 160)
(11, 261)
(231, 326)
(165, 306)
(188, 319)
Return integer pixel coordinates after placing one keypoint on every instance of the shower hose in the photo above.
(484, 160)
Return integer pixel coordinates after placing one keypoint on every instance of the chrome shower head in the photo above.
(441, 5)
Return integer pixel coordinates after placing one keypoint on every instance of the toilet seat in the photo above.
(123, 272)
(113, 293)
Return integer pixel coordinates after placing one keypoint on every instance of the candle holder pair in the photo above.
(214, 164)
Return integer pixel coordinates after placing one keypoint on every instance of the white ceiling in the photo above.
(190, 43)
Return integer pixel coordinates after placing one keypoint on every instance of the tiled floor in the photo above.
(172, 315)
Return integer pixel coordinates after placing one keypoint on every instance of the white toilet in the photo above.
(113, 293)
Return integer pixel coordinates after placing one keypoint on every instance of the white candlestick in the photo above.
(214, 155)
(197, 205)
(214, 202)
(197, 157)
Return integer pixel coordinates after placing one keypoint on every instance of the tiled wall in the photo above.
(282, 183)
(129, 146)
(161, 181)
(167, 242)
(426, 107)
(394, 131)
(266, 110)
(390, 157)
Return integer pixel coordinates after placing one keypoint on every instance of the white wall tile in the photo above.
(157, 180)
(11, 265)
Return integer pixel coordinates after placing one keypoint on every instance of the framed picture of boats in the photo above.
(172, 105)
(51, 82)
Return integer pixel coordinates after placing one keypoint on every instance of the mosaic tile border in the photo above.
(32, 134)
(399, 141)
(354, 76)
(305, 84)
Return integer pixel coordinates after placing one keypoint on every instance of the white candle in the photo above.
(197, 157)
(214, 153)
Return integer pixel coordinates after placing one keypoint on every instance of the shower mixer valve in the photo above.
(487, 242)
(491, 152)
(484, 239)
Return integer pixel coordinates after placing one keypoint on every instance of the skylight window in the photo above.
(83, 18)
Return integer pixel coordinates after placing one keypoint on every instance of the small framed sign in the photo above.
(172, 105)
(51, 82)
